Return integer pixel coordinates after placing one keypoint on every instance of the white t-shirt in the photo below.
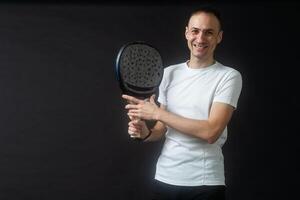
(186, 160)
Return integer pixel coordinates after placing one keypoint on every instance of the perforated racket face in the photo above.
(140, 68)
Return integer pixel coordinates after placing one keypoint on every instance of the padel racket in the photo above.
(139, 69)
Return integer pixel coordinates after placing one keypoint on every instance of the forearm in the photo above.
(198, 128)
(157, 132)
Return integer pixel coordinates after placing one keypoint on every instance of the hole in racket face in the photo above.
(141, 66)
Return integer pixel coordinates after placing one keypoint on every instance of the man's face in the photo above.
(203, 34)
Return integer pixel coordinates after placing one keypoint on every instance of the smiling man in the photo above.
(197, 99)
(203, 33)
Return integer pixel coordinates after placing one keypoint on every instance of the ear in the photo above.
(186, 32)
(220, 37)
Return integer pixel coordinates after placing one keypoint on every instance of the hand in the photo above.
(146, 110)
(137, 129)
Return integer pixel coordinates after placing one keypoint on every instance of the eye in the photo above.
(195, 31)
(209, 33)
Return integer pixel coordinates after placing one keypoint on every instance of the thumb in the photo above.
(152, 99)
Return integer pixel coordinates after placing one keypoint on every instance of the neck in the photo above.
(197, 63)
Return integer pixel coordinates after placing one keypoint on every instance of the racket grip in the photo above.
(133, 118)
(136, 118)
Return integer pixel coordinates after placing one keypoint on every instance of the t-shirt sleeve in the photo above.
(162, 90)
(228, 91)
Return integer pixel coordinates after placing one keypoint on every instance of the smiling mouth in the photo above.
(200, 46)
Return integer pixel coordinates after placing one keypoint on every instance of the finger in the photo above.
(133, 111)
(136, 130)
(136, 122)
(131, 114)
(131, 99)
(131, 106)
(134, 118)
(139, 123)
(135, 125)
(135, 136)
(132, 134)
(133, 129)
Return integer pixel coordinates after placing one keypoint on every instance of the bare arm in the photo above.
(209, 130)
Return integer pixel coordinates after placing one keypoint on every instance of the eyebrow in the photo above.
(208, 29)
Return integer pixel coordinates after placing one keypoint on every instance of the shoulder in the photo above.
(228, 71)
(174, 67)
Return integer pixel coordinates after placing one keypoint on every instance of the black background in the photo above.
(63, 130)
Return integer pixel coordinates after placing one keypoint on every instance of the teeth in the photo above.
(200, 46)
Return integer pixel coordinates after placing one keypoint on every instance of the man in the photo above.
(197, 99)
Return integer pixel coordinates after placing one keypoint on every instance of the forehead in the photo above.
(204, 21)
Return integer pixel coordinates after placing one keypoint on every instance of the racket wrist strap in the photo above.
(147, 136)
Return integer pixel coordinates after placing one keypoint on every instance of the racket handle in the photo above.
(136, 118)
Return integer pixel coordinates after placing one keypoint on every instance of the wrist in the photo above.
(147, 136)
(159, 115)
(156, 114)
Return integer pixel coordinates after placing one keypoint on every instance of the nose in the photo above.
(200, 36)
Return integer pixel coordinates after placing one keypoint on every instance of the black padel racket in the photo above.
(139, 69)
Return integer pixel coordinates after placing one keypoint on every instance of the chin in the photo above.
(199, 56)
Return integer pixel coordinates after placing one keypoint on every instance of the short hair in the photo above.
(209, 10)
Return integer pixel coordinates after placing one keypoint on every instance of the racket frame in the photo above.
(123, 85)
